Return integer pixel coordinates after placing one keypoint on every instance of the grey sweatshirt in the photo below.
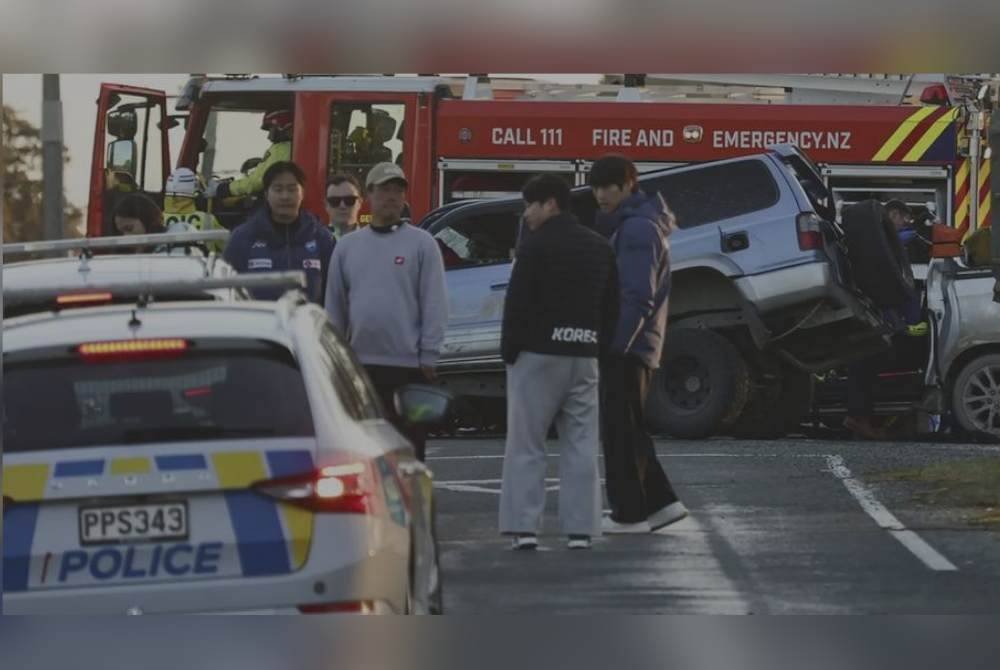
(386, 294)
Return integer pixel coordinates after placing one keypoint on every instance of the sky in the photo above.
(23, 92)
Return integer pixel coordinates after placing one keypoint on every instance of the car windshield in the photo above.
(207, 392)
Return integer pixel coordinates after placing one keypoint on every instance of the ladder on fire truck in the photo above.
(811, 89)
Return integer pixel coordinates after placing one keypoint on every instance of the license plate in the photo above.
(133, 523)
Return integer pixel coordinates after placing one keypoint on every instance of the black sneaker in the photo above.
(524, 541)
(578, 542)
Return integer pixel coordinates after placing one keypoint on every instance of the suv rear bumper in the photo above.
(779, 289)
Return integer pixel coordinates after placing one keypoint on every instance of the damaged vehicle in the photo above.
(765, 293)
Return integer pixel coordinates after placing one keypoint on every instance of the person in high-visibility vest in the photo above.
(278, 124)
(180, 208)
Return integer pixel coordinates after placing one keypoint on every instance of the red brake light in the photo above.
(356, 607)
(810, 232)
(132, 349)
(346, 489)
(71, 299)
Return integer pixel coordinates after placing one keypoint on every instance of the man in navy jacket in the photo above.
(639, 492)
(281, 236)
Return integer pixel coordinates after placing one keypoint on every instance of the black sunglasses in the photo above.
(348, 200)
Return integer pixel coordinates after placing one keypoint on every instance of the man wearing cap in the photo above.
(386, 294)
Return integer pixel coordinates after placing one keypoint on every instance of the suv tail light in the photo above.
(810, 231)
(347, 488)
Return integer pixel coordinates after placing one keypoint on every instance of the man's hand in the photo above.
(430, 373)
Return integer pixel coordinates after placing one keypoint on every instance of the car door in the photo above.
(477, 243)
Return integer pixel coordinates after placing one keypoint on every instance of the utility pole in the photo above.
(52, 158)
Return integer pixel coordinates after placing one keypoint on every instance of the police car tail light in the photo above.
(810, 232)
(345, 488)
(132, 349)
(74, 299)
(355, 607)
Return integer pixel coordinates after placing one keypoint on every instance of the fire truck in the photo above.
(917, 139)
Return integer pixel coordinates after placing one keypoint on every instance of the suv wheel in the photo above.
(701, 387)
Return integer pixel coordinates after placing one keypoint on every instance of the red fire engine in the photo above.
(471, 137)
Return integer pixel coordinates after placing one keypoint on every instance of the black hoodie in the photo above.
(563, 293)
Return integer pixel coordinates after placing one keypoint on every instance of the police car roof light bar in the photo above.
(124, 242)
(286, 280)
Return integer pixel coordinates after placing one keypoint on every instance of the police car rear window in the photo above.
(210, 391)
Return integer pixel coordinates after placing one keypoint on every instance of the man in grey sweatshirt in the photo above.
(386, 294)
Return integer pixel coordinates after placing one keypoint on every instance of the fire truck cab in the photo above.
(464, 138)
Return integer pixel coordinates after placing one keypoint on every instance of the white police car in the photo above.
(207, 457)
(86, 277)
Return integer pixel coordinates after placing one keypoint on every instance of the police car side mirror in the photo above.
(421, 404)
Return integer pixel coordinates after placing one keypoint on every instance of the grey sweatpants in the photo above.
(541, 388)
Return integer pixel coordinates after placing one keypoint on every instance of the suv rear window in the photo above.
(214, 390)
(708, 194)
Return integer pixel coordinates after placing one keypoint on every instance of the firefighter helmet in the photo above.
(279, 119)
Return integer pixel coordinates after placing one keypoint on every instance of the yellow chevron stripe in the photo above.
(962, 213)
(299, 531)
(240, 469)
(25, 483)
(904, 130)
(130, 466)
(962, 176)
(984, 211)
(934, 132)
(984, 174)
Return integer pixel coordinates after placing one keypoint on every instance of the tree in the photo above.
(22, 198)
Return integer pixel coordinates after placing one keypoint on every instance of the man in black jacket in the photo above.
(560, 313)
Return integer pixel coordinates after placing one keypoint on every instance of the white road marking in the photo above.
(886, 519)
(864, 495)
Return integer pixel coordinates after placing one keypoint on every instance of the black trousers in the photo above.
(636, 482)
(386, 380)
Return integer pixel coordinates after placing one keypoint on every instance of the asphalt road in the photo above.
(784, 527)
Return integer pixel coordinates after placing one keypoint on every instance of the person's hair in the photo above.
(139, 206)
(344, 178)
(897, 206)
(544, 186)
(280, 168)
(613, 170)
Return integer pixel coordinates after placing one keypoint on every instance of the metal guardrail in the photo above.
(286, 280)
(124, 242)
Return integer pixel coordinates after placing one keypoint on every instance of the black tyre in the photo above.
(701, 387)
(975, 398)
(777, 407)
(879, 264)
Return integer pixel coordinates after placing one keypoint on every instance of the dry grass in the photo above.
(973, 485)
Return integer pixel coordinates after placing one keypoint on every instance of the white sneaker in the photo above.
(524, 541)
(610, 526)
(672, 513)
(578, 542)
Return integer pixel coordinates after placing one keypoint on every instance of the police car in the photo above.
(86, 277)
(208, 457)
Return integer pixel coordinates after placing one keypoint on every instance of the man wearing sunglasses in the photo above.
(343, 203)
